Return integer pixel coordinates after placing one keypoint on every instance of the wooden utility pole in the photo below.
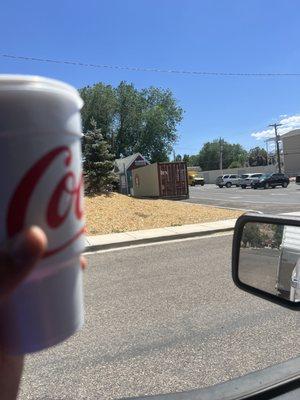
(277, 145)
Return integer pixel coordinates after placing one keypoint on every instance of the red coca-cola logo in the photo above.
(66, 187)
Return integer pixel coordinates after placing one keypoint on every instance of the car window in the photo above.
(162, 311)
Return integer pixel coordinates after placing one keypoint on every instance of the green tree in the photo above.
(278, 234)
(193, 161)
(161, 116)
(186, 158)
(235, 164)
(100, 105)
(178, 157)
(133, 120)
(128, 119)
(253, 235)
(233, 153)
(209, 155)
(257, 156)
(97, 161)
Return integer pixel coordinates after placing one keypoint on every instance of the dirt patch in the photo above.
(118, 213)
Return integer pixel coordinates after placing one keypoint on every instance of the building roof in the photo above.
(294, 132)
(127, 161)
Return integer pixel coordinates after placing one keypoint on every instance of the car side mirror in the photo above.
(266, 258)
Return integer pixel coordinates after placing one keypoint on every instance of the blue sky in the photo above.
(208, 35)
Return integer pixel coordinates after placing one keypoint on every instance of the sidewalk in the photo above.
(113, 240)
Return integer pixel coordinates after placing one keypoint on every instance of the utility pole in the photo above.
(277, 145)
(221, 155)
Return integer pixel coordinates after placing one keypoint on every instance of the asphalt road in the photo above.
(162, 318)
(272, 201)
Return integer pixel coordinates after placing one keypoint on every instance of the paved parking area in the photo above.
(275, 201)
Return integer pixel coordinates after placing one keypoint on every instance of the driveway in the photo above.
(272, 201)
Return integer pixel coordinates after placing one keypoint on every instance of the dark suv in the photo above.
(271, 180)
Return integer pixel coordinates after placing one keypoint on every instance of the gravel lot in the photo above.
(162, 318)
(276, 201)
(118, 213)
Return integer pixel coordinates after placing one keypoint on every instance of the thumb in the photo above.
(19, 258)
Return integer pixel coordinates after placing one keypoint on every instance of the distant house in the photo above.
(124, 166)
(291, 152)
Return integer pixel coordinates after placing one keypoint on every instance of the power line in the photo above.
(144, 69)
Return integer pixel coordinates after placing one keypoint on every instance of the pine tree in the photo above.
(97, 161)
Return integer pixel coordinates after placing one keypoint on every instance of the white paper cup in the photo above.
(41, 181)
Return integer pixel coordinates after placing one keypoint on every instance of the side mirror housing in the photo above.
(266, 258)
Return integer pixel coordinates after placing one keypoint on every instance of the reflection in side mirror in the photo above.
(266, 258)
(269, 258)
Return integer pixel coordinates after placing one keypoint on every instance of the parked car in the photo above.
(271, 180)
(246, 180)
(195, 179)
(298, 180)
(228, 181)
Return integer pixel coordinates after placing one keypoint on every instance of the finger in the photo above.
(83, 262)
(10, 375)
(21, 255)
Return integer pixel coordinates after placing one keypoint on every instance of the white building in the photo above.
(291, 152)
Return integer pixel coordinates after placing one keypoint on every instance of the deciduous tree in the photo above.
(133, 120)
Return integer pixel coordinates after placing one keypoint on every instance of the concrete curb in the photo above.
(157, 239)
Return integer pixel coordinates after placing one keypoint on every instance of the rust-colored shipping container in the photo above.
(165, 180)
